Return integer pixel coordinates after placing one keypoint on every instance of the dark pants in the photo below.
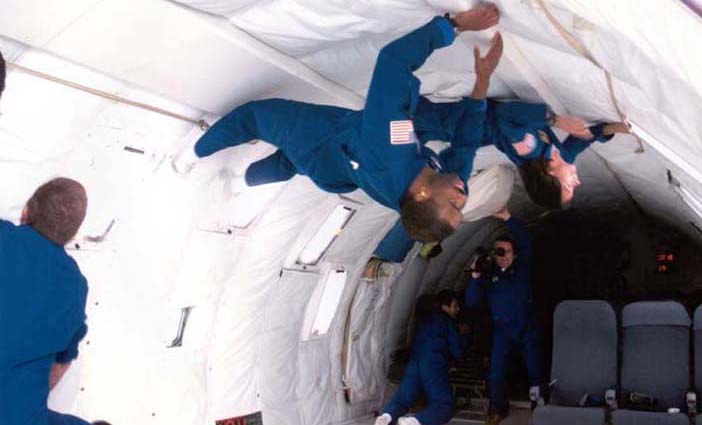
(428, 378)
(530, 341)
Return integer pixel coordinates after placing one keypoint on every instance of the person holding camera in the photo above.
(503, 279)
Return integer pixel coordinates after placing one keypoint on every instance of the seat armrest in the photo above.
(691, 404)
(535, 397)
(611, 399)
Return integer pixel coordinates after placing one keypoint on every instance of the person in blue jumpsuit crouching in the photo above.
(436, 343)
(42, 303)
(522, 131)
(507, 289)
(381, 148)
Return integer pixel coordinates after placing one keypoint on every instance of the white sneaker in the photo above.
(383, 419)
(408, 420)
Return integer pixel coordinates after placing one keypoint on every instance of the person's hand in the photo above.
(478, 18)
(485, 66)
(463, 328)
(573, 126)
(474, 274)
(615, 127)
(503, 214)
(57, 372)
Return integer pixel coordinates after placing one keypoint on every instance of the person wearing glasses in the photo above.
(507, 290)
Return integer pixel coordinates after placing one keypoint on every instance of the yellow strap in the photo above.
(201, 123)
(584, 52)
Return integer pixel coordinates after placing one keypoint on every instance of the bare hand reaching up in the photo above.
(485, 66)
(478, 18)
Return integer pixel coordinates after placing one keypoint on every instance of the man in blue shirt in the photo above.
(42, 303)
(437, 342)
(507, 291)
(381, 148)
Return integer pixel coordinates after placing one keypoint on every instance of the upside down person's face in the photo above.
(449, 192)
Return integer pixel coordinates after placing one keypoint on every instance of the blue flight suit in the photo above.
(509, 122)
(42, 320)
(509, 296)
(342, 150)
(436, 342)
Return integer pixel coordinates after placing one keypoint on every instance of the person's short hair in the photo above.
(505, 238)
(427, 305)
(3, 73)
(543, 188)
(446, 297)
(421, 220)
(57, 209)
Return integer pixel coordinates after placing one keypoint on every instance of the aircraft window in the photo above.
(328, 303)
(323, 238)
(692, 200)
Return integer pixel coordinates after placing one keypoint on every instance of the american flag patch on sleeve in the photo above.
(401, 132)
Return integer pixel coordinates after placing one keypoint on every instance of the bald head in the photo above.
(57, 209)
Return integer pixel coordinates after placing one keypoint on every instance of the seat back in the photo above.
(655, 356)
(697, 347)
(584, 351)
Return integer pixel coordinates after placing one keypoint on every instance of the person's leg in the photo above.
(499, 360)
(439, 396)
(407, 394)
(276, 121)
(273, 168)
(532, 347)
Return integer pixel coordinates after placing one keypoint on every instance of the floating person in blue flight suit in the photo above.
(523, 132)
(379, 149)
(506, 285)
(42, 303)
(437, 342)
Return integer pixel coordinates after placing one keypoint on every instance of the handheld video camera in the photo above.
(485, 263)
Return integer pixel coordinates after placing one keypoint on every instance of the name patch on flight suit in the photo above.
(544, 137)
(401, 132)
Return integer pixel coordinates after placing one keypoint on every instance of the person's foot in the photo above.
(494, 418)
(478, 18)
(383, 419)
(408, 420)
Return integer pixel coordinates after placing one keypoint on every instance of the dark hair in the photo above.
(421, 219)
(446, 297)
(505, 238)
(3, 72)
(426, 306)
(543, 188)
(57, 209)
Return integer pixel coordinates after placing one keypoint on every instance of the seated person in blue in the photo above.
(505, 284)
(523, 132)
(379, 149)
(437, 343)
(42, 303)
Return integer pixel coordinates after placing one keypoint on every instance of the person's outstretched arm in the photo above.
(521, 238)
(460, 156)
(575, 144)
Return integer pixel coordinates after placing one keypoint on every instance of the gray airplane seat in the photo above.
(697, 350)
(584, 365)
(655, 364)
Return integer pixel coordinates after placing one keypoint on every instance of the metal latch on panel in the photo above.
(178, 340)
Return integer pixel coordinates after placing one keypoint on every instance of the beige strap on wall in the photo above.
(201, 123)
(584, 52)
